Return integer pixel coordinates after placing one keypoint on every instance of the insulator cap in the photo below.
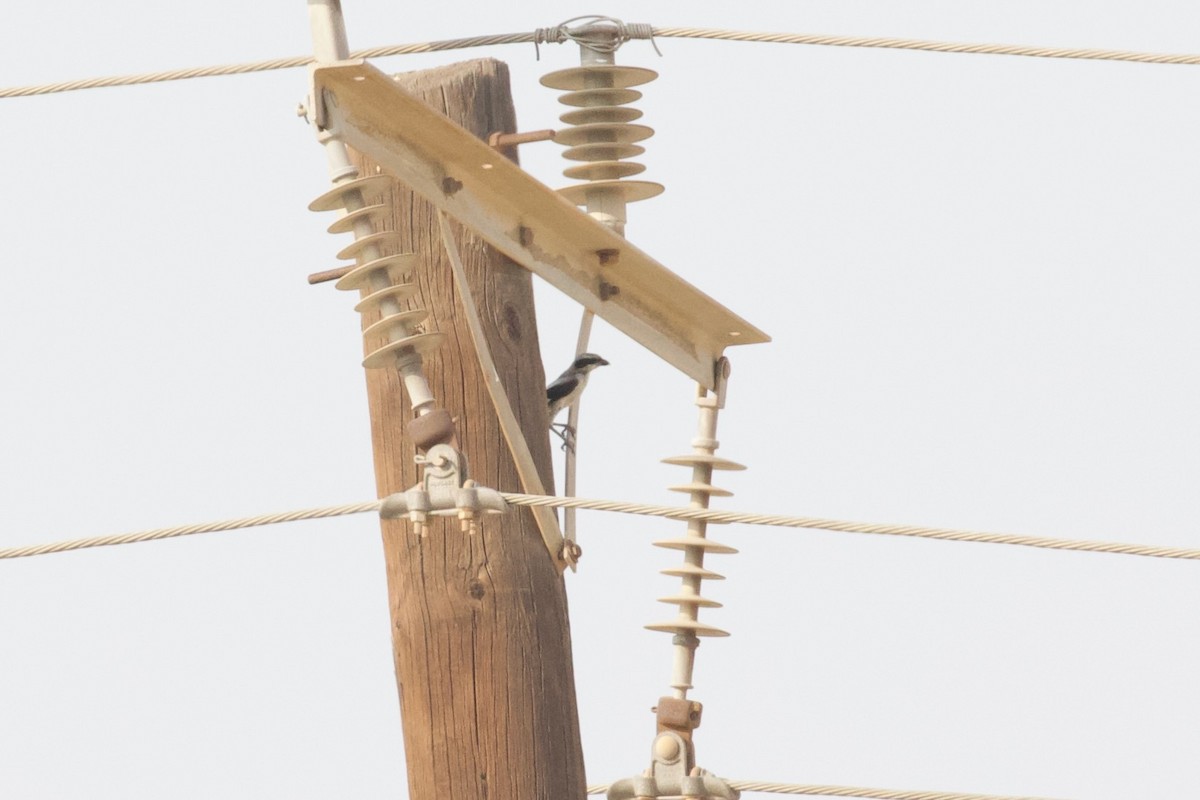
(418, 343)
(603, 113)
(398, 292)
(398, 267)
(695, 542)
(602, 152)
(405, 320)
(686, 626)
(346, 222)
(706, 488)
(356, 248)
(600, 97)
(603, 133)
(629, 191)
(604, 170)
(692, 571)
(690, 600)
(371, 187)
(632, 191)
(598, 76)
(698, 459)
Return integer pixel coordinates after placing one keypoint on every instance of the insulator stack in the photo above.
(381, 279)
(602, 136)
(692, 572)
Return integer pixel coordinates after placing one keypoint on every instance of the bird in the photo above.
(564, 390)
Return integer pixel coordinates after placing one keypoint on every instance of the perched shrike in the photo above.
(566, 387)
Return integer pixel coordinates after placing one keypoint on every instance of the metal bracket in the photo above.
(673, 771)
(722, 370)
(679, 718)
(530, 223)
(444, 490)
(315, 103)
(669, 776)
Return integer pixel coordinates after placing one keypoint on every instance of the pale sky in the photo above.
(980, 274)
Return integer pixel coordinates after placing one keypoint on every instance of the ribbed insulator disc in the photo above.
(345, 223)
(695, 459)
(593, 114)
(600, 97)
(603, 133)
(690, 600)
(386, 355)
(398, 268)
(382, 239)
(398, 292)
(371, 188)
(602, 152)
(706, 488)
(604, 170)
(696, 543)
(692, 571)
(687, 626)
(405, 319)
(599, 76)
(632, 191)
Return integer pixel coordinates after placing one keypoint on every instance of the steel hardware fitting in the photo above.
(444, 490)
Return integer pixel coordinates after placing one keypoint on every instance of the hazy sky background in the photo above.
(980, 274)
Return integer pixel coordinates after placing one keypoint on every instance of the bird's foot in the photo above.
(565, 432)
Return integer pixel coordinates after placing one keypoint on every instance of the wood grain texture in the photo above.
(480, 631)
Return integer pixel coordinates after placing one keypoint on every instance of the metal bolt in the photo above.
(666, 748)
(608, 257)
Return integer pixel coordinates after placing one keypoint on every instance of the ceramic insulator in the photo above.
(695, 545)
(601, 135)
(394, 340)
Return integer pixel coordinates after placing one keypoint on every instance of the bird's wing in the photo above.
(562, 386)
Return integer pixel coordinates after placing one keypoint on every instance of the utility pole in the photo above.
(479, 622)
(480, 627)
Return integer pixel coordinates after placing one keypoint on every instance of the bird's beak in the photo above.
(602, 363)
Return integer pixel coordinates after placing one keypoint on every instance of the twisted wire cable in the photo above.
(260, 66)
(820, 790)
(668, 512)
(928, 45)
(189, 530)
(916, 531)
(560, 33)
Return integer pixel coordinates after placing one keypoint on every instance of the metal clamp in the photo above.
(671, 775)
(444, 490)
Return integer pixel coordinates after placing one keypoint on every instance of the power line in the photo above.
(259, 66)
(668, 512)
(188, 530)
(549, 35)
(844, 526)
(821, 790)
(929, 46)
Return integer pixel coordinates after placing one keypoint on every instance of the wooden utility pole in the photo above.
(479, 622)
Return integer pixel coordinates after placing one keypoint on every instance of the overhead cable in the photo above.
(260, 66)
(775, 520)
(668, 512)
(820, 790)
(636, 31)
(928, 45)
(189, 530)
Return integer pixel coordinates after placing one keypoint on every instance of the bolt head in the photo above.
(666, 748)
